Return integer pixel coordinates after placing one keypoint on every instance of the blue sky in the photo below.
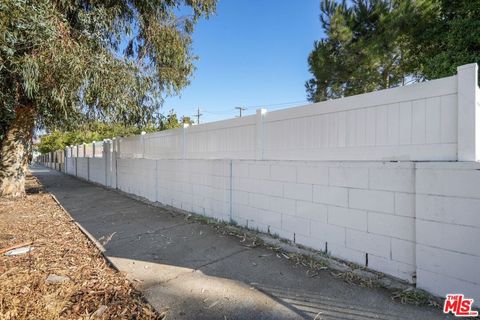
(251, 53)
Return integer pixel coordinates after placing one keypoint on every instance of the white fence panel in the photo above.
(82, 168)
(131, 147)
(98, 149)
(96, 169)
(166, 144)
(88, 150)
(417, 122)
(229, 139)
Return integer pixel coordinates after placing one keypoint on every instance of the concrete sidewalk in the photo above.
(199, 273)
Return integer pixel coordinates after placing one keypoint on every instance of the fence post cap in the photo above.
(467, 66)
(261, 111)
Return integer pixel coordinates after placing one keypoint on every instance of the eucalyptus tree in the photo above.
(66, 62)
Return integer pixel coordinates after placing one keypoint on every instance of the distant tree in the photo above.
(98, 131)
(187, 120)
(369, 45)
(67, 62)
(52, 142)
(94, 131)
(170, 121)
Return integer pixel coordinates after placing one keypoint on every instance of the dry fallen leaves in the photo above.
(60, 249)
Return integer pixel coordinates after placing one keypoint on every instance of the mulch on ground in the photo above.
(80, 285)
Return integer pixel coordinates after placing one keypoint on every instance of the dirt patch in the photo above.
(63, 276)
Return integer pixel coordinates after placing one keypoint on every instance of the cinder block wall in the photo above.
(419, 222)
(199, 186)
(70, 165)
(448, 228)
(96, 167)
(137, 176)
(82, 168)
(359, 211)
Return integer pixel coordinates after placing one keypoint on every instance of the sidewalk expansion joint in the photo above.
(153, 232)
(222, 258)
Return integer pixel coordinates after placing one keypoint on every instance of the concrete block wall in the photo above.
(70, 165)
(92, 169)
(96, 167)
(448, 228)
(82, 168)
(199, 186)
(137, 176)
(361, 212)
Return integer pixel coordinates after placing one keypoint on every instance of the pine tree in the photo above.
(368, 45)
(451, 39)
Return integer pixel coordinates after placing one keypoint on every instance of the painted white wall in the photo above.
(349, 208)
(97, 173)
(448, 228)
(137, 176)
(199, 186)
(82, 168)
(71, 166)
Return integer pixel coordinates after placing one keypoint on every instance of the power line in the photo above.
(274, 105)
(278, 104)
(218, 113)
(222, 112)
(227, 112)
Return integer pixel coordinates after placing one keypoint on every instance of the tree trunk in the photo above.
(14, 153)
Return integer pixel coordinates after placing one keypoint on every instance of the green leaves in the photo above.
(367, 47)
(98, 131)
(451, 39)
(378, 44)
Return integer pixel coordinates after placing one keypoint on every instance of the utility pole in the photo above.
(240, 109)
(198, 115)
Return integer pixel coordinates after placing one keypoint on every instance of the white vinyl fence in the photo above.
(387, 179)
